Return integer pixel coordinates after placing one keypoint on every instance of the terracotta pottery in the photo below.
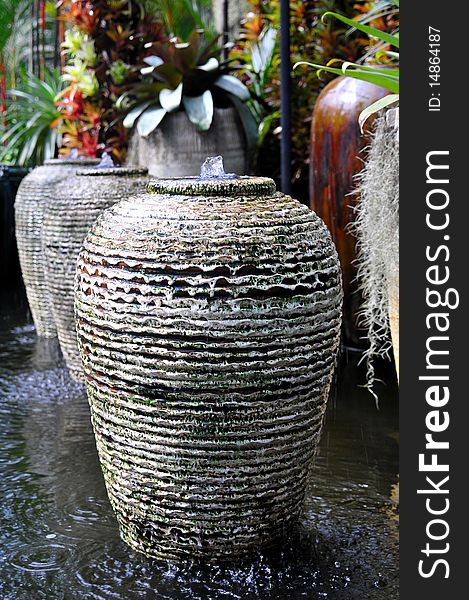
(208, 318)
(35, 189)
(68, 215)
(176, 148)
(336, 157)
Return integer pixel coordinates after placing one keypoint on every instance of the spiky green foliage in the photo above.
(31, 137)
(386, 75)
(190, 76)
(19, 19)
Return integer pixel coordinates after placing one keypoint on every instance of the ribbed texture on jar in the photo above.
(35, 189)
(208, 328)
(68, 216)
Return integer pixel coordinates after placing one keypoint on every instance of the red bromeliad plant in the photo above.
(105, 47)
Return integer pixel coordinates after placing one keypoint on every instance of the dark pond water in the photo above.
(59, 539)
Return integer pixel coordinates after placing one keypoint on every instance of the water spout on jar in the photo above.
(212, 168)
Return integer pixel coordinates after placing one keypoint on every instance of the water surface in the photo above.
(59, 539)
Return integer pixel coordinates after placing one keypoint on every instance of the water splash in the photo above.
(106, 162)
(212, 168)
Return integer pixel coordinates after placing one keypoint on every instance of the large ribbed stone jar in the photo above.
(34, 190)
(68, 216)
(208, 318)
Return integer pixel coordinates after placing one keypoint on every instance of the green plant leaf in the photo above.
(248, 122)
(261, 53)
(168, 74)
(211, 65)
(375, 107)
(153, 61)
(234, 86)
(388, 82)
(30, 113)
(370, 31)
(393, 72)
(149, 120)
(266, 124)
(134, 114)
(199, 109)
(388, 53)
(171, 99)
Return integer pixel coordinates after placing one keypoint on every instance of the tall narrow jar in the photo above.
(208, 319)
(69, 214)
(35, 189)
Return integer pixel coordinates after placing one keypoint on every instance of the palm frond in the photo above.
(30, 138)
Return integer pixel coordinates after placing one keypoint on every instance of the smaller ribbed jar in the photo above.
(68, 216)
(33, 192)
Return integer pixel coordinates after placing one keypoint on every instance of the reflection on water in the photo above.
(59, 538)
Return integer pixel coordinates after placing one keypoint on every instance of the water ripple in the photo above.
(59, 538)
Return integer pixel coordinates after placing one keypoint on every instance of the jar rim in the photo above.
(113, 172)
(66, 162)
(244, 185)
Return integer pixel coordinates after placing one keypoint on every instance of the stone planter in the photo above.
(34, 190)
(336, 156)
(208, 319)
(68, 216)
(176, 148)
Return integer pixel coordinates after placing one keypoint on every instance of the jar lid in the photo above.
(67, 162)
(197, 186)
(113, 171)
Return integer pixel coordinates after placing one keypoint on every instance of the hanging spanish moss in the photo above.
(377, 230)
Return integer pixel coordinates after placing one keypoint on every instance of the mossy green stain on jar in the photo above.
(208, 318)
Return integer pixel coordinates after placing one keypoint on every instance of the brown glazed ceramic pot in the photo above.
(208, 319)
(336, 156)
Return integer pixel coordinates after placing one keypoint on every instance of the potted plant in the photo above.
(257, 50)
(187, 106)
(31, 116)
